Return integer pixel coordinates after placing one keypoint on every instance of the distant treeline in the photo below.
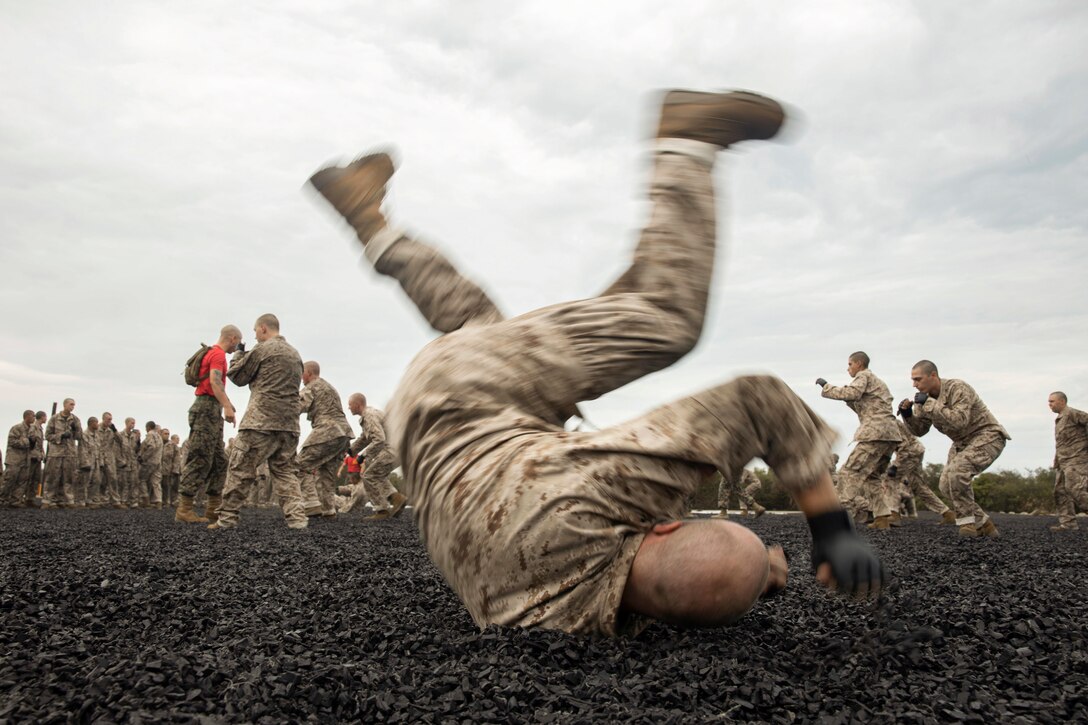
(994, 490)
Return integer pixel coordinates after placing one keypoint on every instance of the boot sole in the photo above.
(331, 174)
(761, 105)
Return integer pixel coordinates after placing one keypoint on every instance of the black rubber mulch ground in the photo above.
(125, 616)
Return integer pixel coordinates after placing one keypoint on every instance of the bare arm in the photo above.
(220, 393)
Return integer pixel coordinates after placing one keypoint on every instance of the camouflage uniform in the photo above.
(1071, 464)
(128, 467)
(109, 452)
(17, 469)
(150, 458)
(908, 462)
(264, 486)
(86, 491)
(63, 431)
(876, 437)
(745, 486)
(321, 451)
(380, 460)
(169, 478)
(533, 525)
(977, 441)
(204, 456)
(37, 456)
(268, 431)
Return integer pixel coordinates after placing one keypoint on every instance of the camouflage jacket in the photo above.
(88, 451)
(37, 435)
(129, 445)
(273, 372)
(61, 445)
(869, 397)
(20, 445)
(109, 446)
(372, 442)
(958, 413)
(1071, 438)
(169, 457)
(150, 453)
(910, 448)
(321, 404)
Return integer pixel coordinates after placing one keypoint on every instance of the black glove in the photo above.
(821, 382)
(920, 398)
(74, 426)
(905, 409)
(65, 435)
(852, 561)
(360, 459)
(113, 427)
(241, 347)
(893, 471)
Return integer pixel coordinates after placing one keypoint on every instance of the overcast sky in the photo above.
(929, 200)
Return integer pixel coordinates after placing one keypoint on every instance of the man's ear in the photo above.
(666, 528)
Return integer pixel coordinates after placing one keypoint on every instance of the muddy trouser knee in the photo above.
(964, 463)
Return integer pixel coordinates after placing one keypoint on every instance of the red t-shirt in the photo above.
(214, 359)
(353, 466)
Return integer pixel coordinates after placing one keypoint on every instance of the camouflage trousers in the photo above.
(170, 489)
(109, 483)
(87, 486)
(317, 466)
(375, 485)
(1071, 491)
(206, 462)
(61, 479)
(128, 478)
(17, 484)
(532, 525)
(910, 473)
(251, 449)
(745, 496)
(150, 484)
(862, 478)
(964, 463)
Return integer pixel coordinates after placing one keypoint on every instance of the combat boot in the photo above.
(881, 523)
(722, 514)
(211, 509)
(398, 500)
(948, 518)
(896, 519)
(1065, 527)
(314, 510)
(185, 514)
(988, 529)
(759, 510)
(356, 191)
(721, 119)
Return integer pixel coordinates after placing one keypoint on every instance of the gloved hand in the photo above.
(893, 471)
(821, 382)
(241, 347)
(920, 398)
(855, 567)
(113, 427)
(905, 408)
(65, 435)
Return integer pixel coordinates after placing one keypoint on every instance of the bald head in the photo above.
(357, 403)
(266, 327)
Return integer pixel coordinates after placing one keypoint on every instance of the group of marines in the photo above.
(533, 524)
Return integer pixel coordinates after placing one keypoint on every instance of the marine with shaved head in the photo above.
(206, 458)
(373, 446)
(329, 437)
(269, 429)
(955, 409)
(1070, 461)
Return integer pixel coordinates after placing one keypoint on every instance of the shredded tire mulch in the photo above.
(126, 616)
